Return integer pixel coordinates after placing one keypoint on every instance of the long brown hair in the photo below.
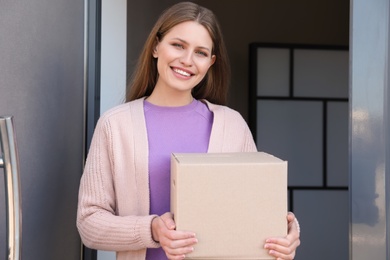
(214, 85)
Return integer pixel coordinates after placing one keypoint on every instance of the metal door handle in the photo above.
(9, 160)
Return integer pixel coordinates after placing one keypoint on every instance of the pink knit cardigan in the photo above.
(113, 207)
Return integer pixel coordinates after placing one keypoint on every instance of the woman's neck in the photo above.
(170, 99)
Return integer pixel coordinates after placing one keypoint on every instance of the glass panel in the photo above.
(337, 144)
(323, 217)
(292, 130)
(321, 73)
(273, 72)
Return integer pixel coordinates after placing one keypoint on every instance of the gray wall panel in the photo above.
(41, 85)
(337, 144)
(288, 126)
(324, 226)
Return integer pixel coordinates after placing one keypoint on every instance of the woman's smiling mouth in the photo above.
(182, 72)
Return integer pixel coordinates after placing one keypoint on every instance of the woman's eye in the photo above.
(202, 53)
(178, 45)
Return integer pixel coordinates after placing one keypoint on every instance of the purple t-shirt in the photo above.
(181, 129)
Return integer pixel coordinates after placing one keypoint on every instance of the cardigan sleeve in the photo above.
(97, 222)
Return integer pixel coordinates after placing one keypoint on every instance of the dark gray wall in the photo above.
(41, 85)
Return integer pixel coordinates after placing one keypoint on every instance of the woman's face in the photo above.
(184, 56)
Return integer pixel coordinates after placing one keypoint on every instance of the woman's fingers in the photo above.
(179, 247)
(175, 239)
(176, 244)
(282, 248)
(176, 249)
(167, 218)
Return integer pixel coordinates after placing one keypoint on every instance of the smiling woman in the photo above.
(175, 103)
(183, 56)
(214, 85)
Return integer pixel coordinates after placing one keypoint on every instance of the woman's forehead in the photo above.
(191, 32)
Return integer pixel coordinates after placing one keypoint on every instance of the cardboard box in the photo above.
(232, 201)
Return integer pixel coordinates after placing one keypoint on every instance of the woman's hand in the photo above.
(175, 243)
(284, 248)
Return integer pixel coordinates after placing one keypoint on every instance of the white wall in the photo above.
(113, 53)
(113, 64)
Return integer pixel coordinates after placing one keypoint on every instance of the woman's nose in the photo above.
(186, 58)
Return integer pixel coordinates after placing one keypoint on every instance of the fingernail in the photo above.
(266, 246)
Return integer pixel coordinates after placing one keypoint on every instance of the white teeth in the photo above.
(182, 72)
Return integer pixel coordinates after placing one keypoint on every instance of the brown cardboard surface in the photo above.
(232, 201)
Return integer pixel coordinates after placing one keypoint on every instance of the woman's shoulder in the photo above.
(123, 112)
(123, 108)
